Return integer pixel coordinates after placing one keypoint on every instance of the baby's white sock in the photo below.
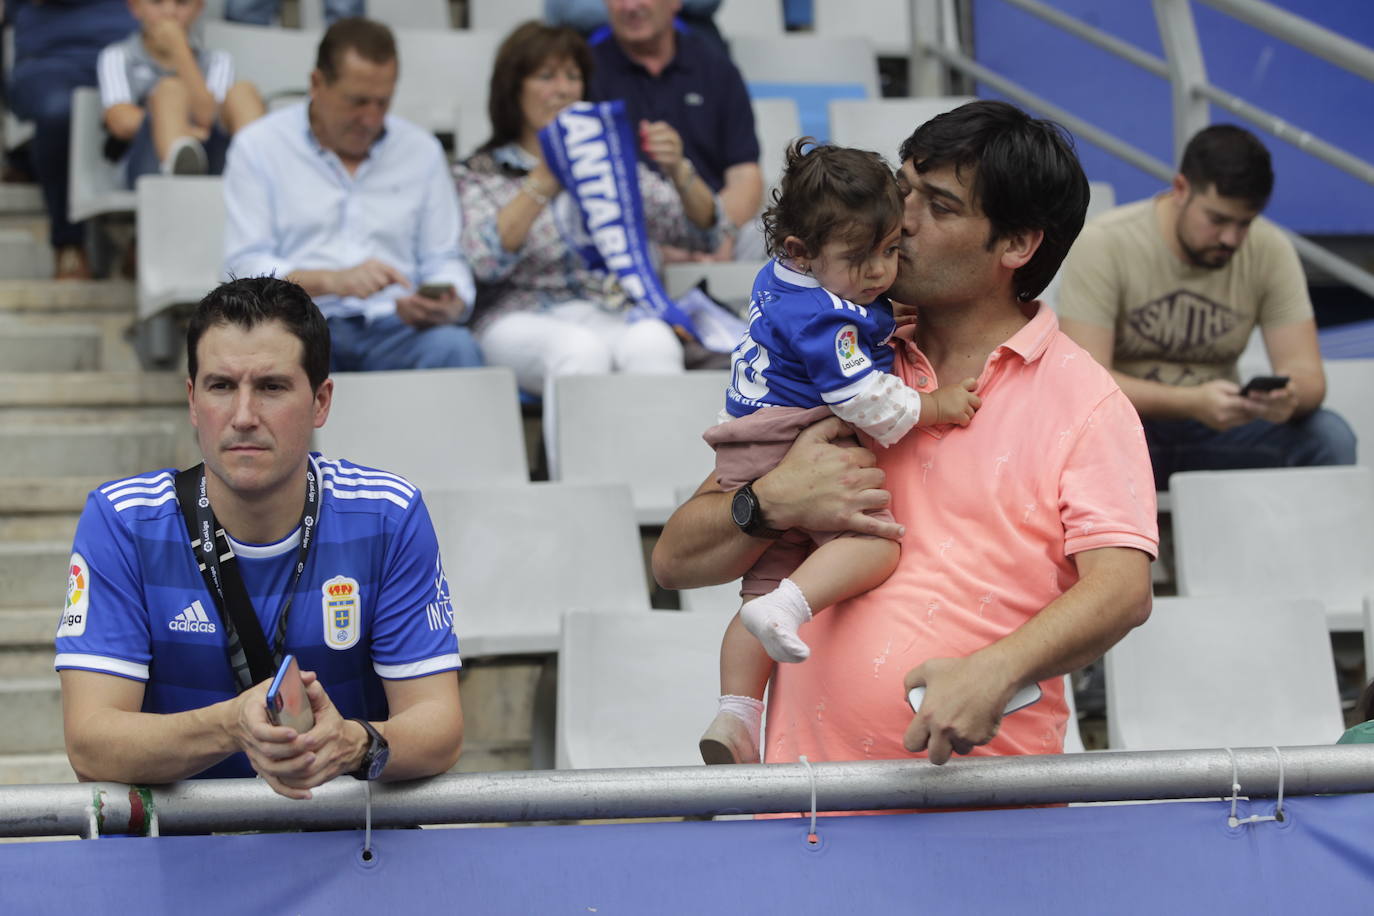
(774, 619)
(747, 709)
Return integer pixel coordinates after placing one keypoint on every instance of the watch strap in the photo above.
(754, 525)
(375, 746)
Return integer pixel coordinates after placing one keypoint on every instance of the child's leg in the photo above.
(839, 569)
(242, 105)
(733, 736)
(169, 111)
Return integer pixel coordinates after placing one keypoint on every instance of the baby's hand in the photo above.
(956, 403)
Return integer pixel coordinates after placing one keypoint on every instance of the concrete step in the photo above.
(30, 716)
(56, 526)
(85, 415)
(29, 626)
(21, 296)
(90, 389)
(35, 769)
(23, 256)
(114, 326)
(26, 661)
(50, 349)
(96, 449)
(17, 198)
(34, 574)
(47, 494)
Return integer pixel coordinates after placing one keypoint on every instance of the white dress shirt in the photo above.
(292, 205)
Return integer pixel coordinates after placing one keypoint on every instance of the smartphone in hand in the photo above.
(436, 290)
(287, 703)
(1022, 698)
(1264, 383)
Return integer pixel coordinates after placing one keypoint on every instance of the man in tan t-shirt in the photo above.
(1165, 293)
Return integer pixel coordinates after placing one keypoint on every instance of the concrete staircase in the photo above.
(75, 410)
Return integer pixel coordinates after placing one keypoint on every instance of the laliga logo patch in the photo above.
(852, 359)
(73, 622)
(341, 601)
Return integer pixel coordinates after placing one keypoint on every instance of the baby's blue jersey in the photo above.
(372, 602)
(805, 347)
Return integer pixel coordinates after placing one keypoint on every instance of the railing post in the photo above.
(926, 71)
(1178, 33)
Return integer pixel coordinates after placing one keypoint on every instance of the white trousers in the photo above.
(576, 338)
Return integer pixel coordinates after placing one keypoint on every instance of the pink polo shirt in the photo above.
(1054, 463)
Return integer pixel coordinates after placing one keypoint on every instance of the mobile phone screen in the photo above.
(287, 703)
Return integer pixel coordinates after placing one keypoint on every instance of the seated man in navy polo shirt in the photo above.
(666, 72)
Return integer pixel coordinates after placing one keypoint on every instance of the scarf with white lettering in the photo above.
(593, 150)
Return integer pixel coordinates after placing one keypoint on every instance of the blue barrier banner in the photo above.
(593, 149)
(1166, 858)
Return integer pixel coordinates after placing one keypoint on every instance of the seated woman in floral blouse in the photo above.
(539, 309)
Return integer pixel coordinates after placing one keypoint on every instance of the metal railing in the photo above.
(209, 805)
(933, 43)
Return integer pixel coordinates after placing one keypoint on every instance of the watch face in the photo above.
(379, 762)
(742, 508)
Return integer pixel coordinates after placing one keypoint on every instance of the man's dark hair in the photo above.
(1232, 160)
(1026, 176)
(524, 51)
(372, 41)
(1364, 708)
(250, 301)
(832, 192)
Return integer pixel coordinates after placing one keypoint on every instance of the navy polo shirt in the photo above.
(700, 93)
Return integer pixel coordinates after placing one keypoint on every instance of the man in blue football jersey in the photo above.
(338, 563)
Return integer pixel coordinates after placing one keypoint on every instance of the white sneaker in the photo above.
(727, 740)
(186, 157)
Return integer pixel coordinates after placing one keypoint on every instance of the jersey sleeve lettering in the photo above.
(412, 633)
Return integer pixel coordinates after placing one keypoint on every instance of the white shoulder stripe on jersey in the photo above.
(366, 494)
(101, 663)
(350, 475)
(418, 669)
(134, 481)
(145, 501)
(135, 491)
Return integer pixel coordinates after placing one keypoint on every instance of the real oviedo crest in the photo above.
(341, 601)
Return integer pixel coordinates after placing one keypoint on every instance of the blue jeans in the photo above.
(389, 343)
(40, 90)
(263, 12)
(1320, 438)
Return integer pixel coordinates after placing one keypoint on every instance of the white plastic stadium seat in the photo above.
(277, 61)
(806, 59)
(502, 16)
(472, 129)
(748, 17)
(635, 691)
(1349, 383)
(180, 239)
(95, 185)
(777, 124)
(881, 125)
(517, 557)
(1282, 533)
(640, 430)
(1224, 672)
(731, 282)
(441, 71)
(886, 22)
(436, 427)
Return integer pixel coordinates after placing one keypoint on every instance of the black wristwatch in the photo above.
(748, 515)
(375, 757)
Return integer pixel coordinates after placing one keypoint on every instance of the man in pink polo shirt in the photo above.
(1026, 536)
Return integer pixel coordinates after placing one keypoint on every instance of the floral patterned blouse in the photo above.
(547, 270)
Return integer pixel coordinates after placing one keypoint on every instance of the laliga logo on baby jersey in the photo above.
(852, 359)
(341, 603)
(73, 622)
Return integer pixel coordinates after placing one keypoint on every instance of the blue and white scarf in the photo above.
(592, 148)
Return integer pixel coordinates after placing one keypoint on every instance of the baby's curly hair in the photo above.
(831, 192)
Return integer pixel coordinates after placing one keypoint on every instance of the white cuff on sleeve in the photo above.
(883, 406)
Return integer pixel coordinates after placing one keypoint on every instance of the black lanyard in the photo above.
(246, 645)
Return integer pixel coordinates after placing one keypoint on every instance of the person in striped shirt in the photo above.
(338, 562)
(171, 106)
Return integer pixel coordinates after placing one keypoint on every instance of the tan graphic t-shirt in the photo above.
(1176, 323)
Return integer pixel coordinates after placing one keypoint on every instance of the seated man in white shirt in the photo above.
(357, 207)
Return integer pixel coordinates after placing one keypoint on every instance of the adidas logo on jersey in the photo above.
(192, 620)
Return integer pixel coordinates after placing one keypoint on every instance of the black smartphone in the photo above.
(1264, 383)
(436, 290)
